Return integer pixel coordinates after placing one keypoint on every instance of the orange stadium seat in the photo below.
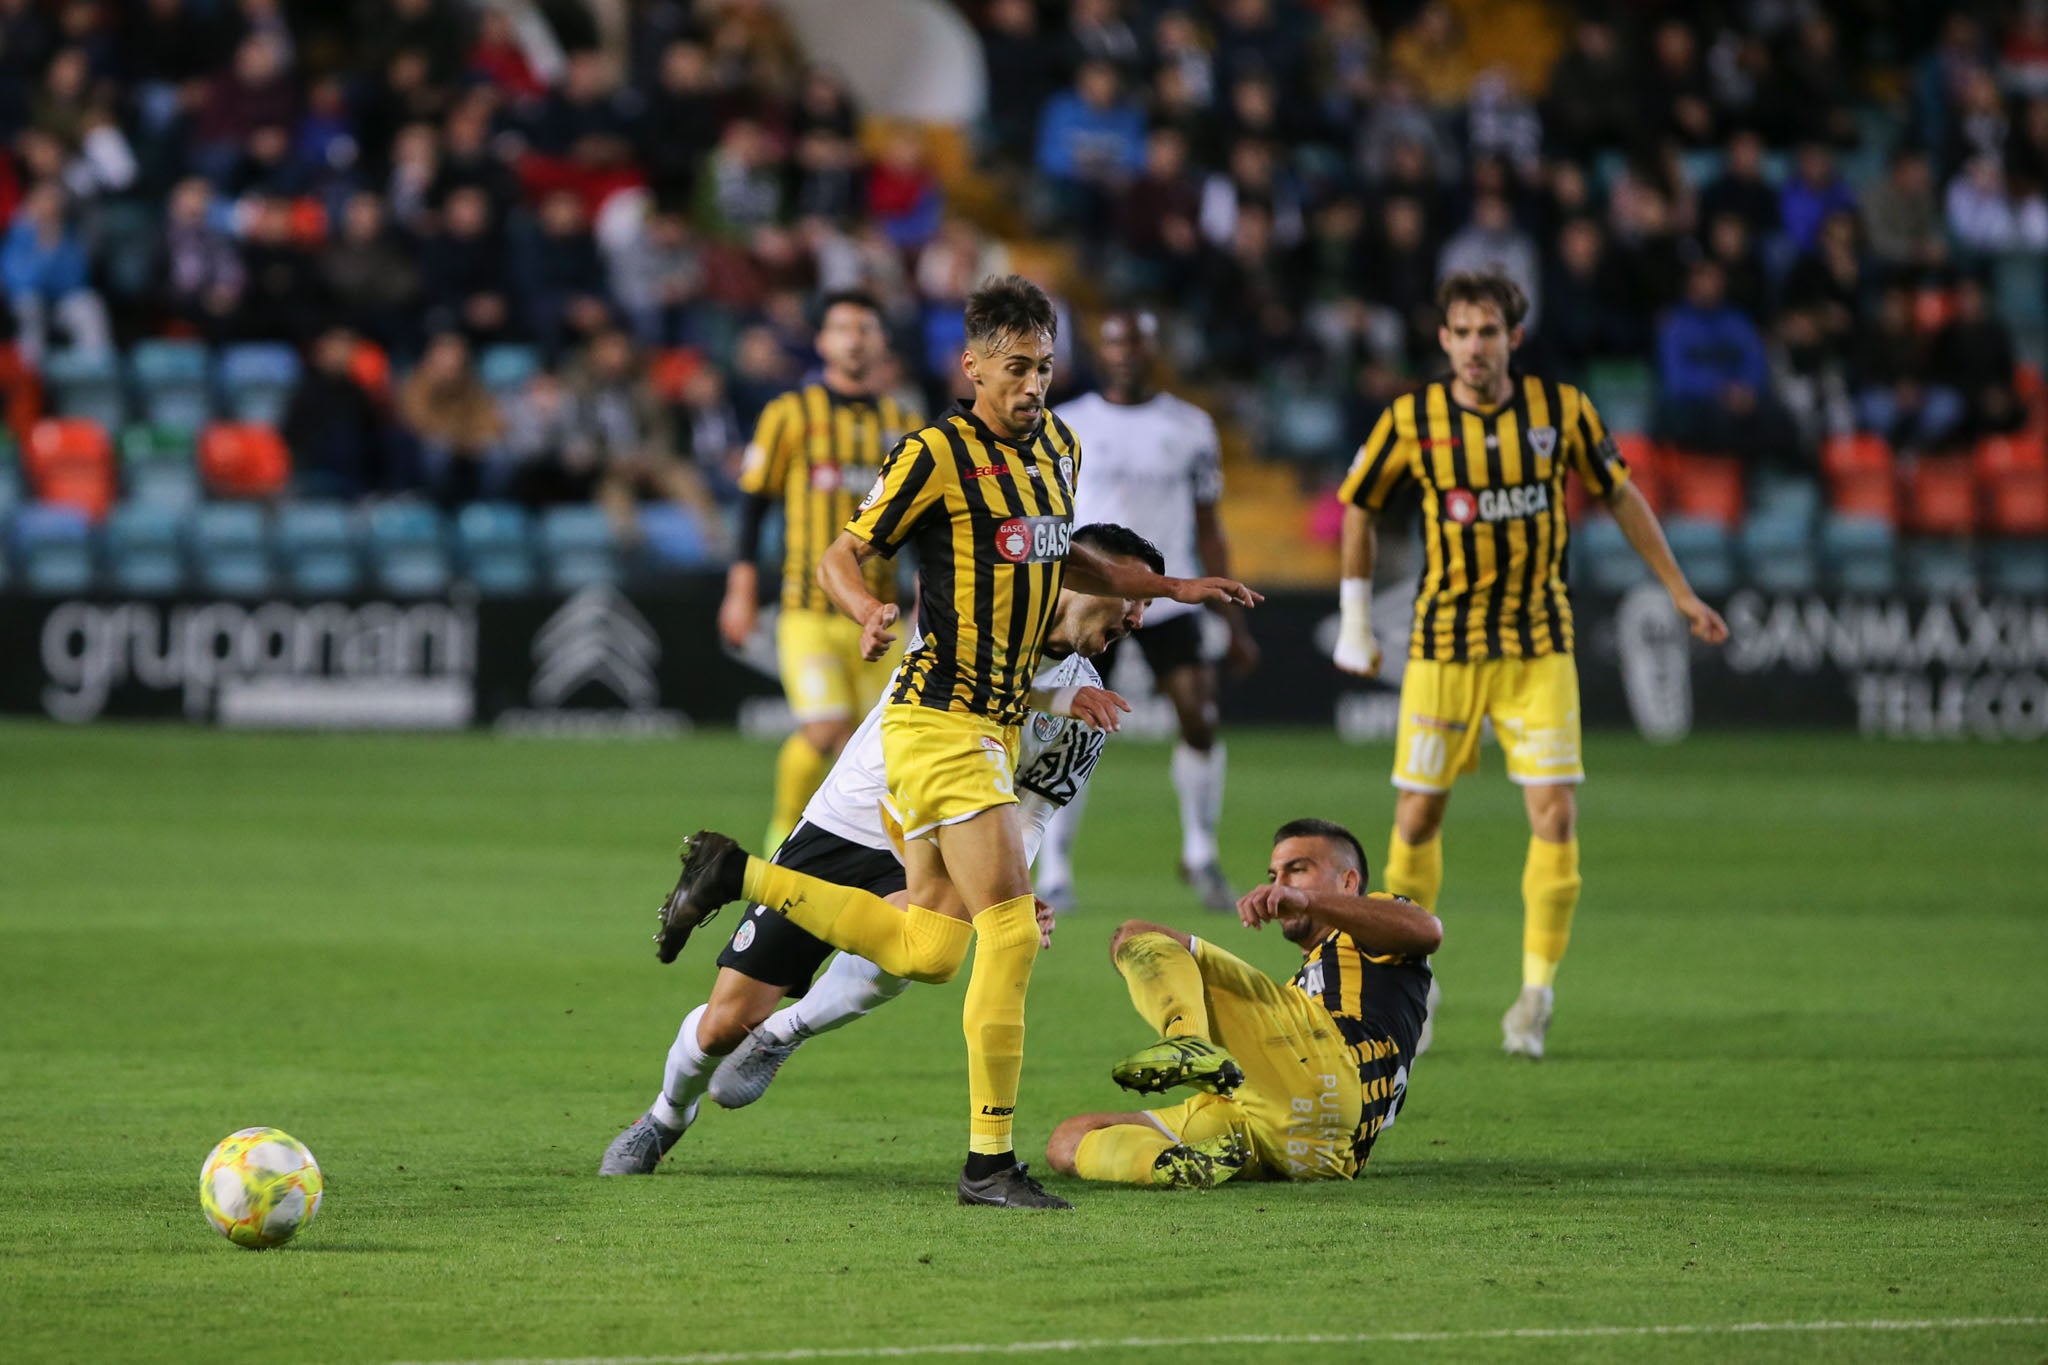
(1997, 456)
(1941, 496)
(244, 460)
(1705, 486)
(1866, 493)
(1646, 460)
(2017, 504)
(1862, 452)
(70, 460)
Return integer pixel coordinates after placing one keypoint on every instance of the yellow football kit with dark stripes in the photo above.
(990, 519)
(1326, 1057)
(816, 452)
(1493, 624)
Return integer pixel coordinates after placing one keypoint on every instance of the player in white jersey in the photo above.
(1155, 465)
(845, 837)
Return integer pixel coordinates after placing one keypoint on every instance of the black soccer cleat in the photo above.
(1190, 1061)
(713, 866)
(1010, 1188)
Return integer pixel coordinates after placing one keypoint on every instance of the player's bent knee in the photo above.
(932, 964)
(1065, 1142)
(726, 1024)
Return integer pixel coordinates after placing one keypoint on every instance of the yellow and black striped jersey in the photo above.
(818, 451)
(1493, 518)
(990, 519)
(1378, 1004)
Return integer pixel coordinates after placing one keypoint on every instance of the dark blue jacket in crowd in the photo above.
(1700, 352)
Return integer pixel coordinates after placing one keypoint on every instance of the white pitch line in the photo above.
(1019, 1348)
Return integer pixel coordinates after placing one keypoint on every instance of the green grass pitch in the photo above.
(1799, 1071)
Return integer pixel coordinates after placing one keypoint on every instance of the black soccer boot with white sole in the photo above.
(1190, 1061)
(1010, 1188)
(713, 866)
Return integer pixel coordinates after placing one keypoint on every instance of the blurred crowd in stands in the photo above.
(516, 265)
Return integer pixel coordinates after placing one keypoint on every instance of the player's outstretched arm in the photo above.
(839, 574)
(1632, 513)
(1380, 923)
(1099, 575)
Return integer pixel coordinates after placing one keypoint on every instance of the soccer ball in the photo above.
(260, 1188)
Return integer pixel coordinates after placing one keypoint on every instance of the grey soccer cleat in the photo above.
(1201, 1165)
(1527, 1023)
(1210, 886)
(745, 1075)
(1010, 1188)
(712, 868)
(639, 1149)
(1186, 1060)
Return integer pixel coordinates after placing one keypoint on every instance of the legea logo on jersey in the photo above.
(1030, 540)
(1464, 506)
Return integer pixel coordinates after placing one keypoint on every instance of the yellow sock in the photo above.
(799, 768)
(1125, 1152)
(912, 942)
(1165, 984)
(1550, 893)
(1416, 870)
(992, 1017)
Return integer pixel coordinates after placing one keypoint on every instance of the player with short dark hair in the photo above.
(986, 495)
(816, 450)
(1294, 1080)
(1489, 448)
(733, 1045)
(1155, 463)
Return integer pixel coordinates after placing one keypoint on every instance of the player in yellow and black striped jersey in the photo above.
(1489, 450)
(1294, 1080)
(816, 450)
(986, 494)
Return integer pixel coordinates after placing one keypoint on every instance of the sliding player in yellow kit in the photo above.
(1489, 448)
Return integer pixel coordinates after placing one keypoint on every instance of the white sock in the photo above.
(1055, 862)
(849, 988)
(1198, 780)
(685, 1079)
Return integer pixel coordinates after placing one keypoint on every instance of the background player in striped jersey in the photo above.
(1156, 466)
(816, 452)
(1295, 1080)
(1492, 639)
(843, 838)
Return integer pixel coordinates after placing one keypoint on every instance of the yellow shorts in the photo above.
(944, 767)
(1534, 706)
(823, 675)
(1298, 1107)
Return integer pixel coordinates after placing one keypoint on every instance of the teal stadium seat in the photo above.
(1778, 551)
(1787, 495)
(1706, 552)
(496, 540)
(1602, 557)
(144, 549)
(2019, 289)
(505, 368)
(672, 539)
(53, 549)
(409, 550)
(257, 379)
(1945, 568)
(317, 543)
(579, 548)
(173, 381)
(2019, 566)
(157, 467)
(88, 385)
(1862, 554)
(230, 545)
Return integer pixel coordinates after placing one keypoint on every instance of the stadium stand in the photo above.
(235, 278)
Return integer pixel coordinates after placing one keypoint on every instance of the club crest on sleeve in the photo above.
(1067, 472)
(875, 493)
(743, 938)
(1543, 440)
(1044, 728)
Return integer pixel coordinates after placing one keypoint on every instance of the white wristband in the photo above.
(1054, 701)
(1355, 648)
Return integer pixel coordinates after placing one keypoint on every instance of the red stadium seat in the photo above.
(244, 460)
(70, 460)
(1706, 486)
(2017, 504)
(1941, 496)
(1866, 493)
(1645, 460)
(1997, 456)
(1862, 452)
